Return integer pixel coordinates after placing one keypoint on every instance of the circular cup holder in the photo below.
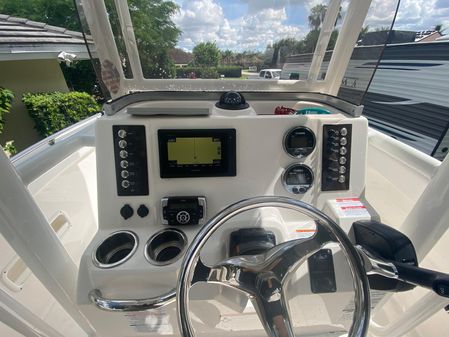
(115, 249)
(165, 247)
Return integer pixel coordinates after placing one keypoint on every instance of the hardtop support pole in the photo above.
(27, 231)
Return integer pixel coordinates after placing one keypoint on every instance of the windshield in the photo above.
(224, 45)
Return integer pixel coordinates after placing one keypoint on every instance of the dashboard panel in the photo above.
(162, 177)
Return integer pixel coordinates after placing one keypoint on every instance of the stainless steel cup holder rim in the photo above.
(116, 249)
(165, 247)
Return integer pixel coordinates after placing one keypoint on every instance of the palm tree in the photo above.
(363, 32)
(439, 28)
(317, 14)
(227, 56)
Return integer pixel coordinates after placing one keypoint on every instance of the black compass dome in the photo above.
(232, 100)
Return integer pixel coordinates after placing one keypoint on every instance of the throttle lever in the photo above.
(438, 282)
(430, 279)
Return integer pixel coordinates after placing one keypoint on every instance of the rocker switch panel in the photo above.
(130, 153)
(336, 162)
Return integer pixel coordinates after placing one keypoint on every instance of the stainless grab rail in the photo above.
(143, 304)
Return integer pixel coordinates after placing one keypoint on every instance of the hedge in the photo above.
(55, 111)
(203, 72)
(6, 97)
(230, 71)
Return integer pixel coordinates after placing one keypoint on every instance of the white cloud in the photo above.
(412, 15)
(203, 20)
(265, 21)
(199, 21)
(257, 5)
(380, 14)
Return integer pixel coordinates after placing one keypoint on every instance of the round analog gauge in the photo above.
(297, 178)
(299, 142)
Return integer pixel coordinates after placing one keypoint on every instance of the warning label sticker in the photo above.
(351, 207)
(303, 230)
(154, 321)
(348, 312)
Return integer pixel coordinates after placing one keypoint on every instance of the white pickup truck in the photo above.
(270, 74)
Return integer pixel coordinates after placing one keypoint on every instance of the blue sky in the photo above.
(253, 24)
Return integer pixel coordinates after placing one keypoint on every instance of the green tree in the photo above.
(439, 28)
(363, 32)
(6, 97)
(317, 14)
(284, 48)
(382, 28)
(206, 54)
(156, 35)
(61, 13)
(310, 41)
(227, 57)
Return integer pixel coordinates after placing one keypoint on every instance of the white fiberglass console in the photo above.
(165, 170)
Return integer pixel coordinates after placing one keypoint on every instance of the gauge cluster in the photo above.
(298, 178)
(299, 142)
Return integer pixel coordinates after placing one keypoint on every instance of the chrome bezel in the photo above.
(288, 133)
(115, 264)
(283, 177)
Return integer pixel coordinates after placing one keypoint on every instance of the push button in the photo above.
(183, 217)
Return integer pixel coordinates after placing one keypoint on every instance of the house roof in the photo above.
(25, 39)
(180, 56)
(427, 36)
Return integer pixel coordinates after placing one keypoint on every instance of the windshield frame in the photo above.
(95, 14)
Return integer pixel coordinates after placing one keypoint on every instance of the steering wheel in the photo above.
(263, 277)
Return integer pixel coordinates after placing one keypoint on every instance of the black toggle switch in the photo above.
(126, 211)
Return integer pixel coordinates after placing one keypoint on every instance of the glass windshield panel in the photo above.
(297, 66)
(373, 37)
(273, 41)
(218, 39)
(407, 98)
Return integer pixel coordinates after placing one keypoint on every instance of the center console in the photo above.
(161, 178)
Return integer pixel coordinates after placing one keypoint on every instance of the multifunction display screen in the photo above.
(197, 153)
(194, 151)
